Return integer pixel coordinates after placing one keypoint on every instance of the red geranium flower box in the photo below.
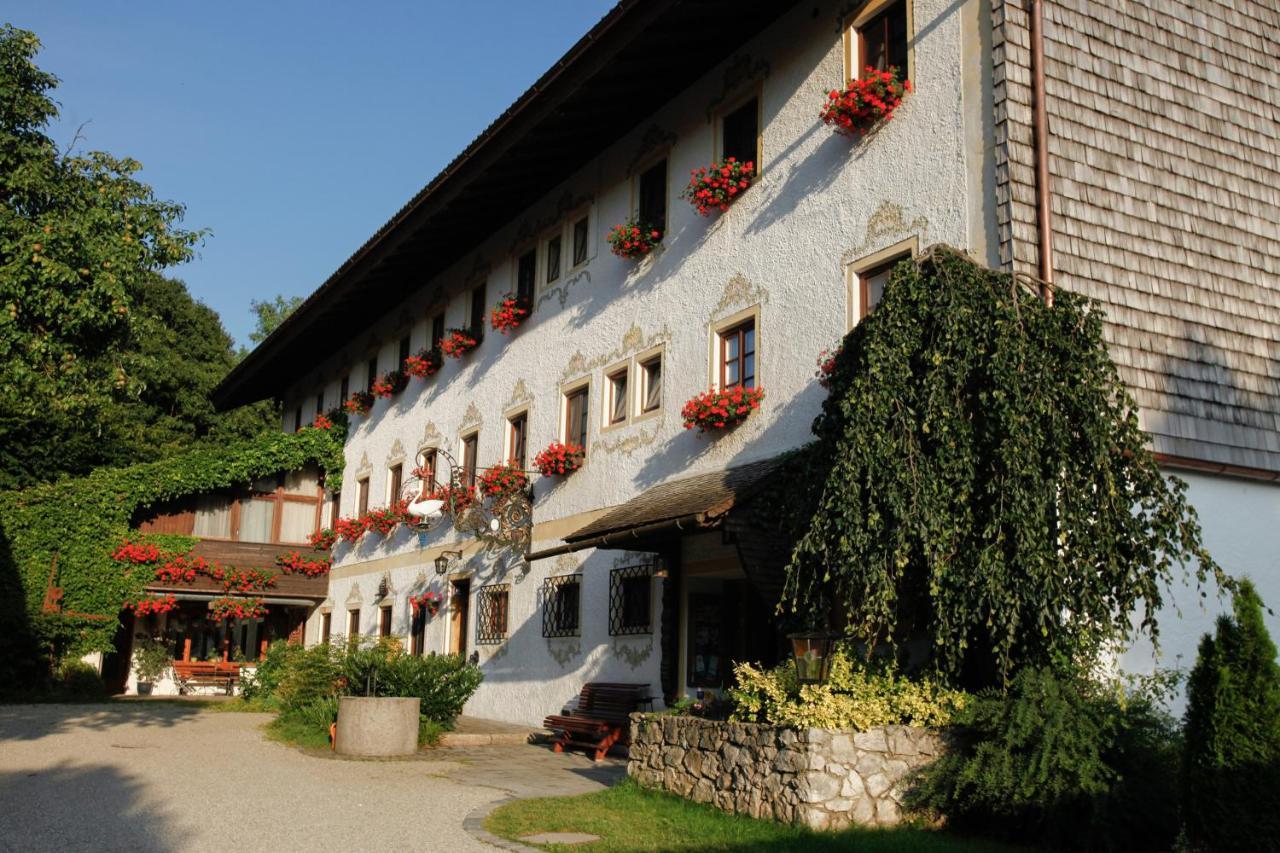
(719, 409)
(716, 186)
(510, 313)
(349, 529)
(152, 604)
(426, 363)
(359, 403)
(560, 459)
(633, 239)
(502, 481)
(865, 102)
(457, 499)
(429, 601)
(322, 540)
(293, 563)
(458, 342)
(389, 383)
(234, 607)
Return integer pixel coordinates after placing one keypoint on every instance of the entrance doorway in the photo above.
(459, 615)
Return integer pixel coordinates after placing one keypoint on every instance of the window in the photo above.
(617, 402)
(631, 600)
(404, 352)
(526, 275)
(882, 41)
(871, 284)
(362, 495)
(470, 444)
(651, 384)
(740, 133)
(553, 258)
(344, 389)
(335, 508)
(580, 235)
(384, 620)
(320, 402)
(738, 356)
(297, 418)
(353, 623)
(517, 439)
(651, 194)
(491, 606)
(326, 625)
(372, 373)
(428, 470)
(575, 416)
(561, 606)
(395, 481)
(868, 277)
(477, 311)
(418, 632)
(437, 329)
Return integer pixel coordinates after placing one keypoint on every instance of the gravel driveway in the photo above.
(147, 777)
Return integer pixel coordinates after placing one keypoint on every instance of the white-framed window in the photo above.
(868, 276)
(517, 439)
(649, 383)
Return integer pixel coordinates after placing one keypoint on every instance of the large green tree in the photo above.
(271, 313)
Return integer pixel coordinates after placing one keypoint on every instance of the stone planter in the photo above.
(825, 779)
(377, 726)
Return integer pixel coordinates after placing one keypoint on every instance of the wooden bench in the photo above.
(192, 675)
(601, 719)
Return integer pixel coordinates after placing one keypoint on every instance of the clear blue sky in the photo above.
(291, 130)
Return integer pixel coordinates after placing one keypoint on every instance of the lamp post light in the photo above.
(446, 557)
(812, 655)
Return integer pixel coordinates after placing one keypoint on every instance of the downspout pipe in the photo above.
(1040, 141)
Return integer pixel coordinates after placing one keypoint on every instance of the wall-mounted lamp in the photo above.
(442, 562)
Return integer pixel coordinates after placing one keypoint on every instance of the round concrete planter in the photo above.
(377, 725)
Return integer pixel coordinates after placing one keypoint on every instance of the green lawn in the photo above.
(628, 817)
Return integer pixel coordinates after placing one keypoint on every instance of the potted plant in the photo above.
(390, 383)
(457, 498)
(510, 313)
(428, 601)
(236, 607)
(359, 403)
(502, 481)
(560, 459)
(426, 363)
(150, 660)
(715, 187)
(458, 342)
(633, 239)
(719, 409)
(865, 102)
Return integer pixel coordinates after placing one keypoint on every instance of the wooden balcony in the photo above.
(251, 555)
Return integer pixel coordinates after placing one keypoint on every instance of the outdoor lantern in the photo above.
(812, 653)
(442, 562)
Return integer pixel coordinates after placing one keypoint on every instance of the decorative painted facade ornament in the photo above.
(739, 292)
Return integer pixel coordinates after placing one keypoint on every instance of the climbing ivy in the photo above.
(979, 479)
(82, 520)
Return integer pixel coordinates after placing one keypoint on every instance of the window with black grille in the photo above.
(561, 606)
(631, 600)
(491, 607)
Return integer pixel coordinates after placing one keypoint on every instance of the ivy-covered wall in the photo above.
(80, 521)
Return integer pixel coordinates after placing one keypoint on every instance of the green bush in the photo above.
(75, 679)
(1231, 786)
(1064, 760)
(854, 696)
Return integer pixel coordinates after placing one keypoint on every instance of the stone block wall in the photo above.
(825, 779)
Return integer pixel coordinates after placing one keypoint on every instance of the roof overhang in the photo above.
(640, 55)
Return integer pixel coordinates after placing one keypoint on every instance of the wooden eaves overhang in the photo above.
(638, 57)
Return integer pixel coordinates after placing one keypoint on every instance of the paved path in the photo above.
(158, 777)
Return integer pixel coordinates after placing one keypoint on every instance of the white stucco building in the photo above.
(649, 576)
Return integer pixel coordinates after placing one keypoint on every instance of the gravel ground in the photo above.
(147, 777)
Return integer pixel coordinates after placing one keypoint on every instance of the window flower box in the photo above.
(426, 363)
(502, 481)
(457, 499)
(560, 459)
(152, 605)
(390, 383)
(234, 607)
(633, 239)
(428, 601)
(716, 186)
(721, 409)
(385, 519)
(359, 403)
(511, 312)
(293, 563)
(349, 529)
(458, 342)
(865, 102)
(323, 539)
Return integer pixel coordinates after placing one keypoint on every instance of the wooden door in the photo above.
(459, 613)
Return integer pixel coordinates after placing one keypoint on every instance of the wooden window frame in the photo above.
(431, 460)
(362, 495)
(555, 237)
(714, 345)
(385, 620)
(344, 389)
(642, 361)
(738, 332)
(437, 330)
(609, 400)
(530, 292)
(478, 309)
(184, 522)
(470, 467)
(852, 37)
(395, 482)
(516, 455)
(648, 165)
(326, 626)
(371, 368)
(320, 402)
(858, 271)
(567, 393)
(755, 92)
(353, 622)
(571, 232)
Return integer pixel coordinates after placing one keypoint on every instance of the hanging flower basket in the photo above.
(234, 607)
(390, 383)
(633, 239)
(502, 481)
(827, 365)
(721, 409)
(359, 403)
(349, 529)
(324, 539)
(716, 186)
(426, 363)
(560, 459)
(152, 605)
(458, 342)
(865, 102)
(510, 314)
(293, 563)
(428, 601)
(457, 499)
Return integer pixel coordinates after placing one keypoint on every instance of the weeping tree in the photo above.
(980, 480)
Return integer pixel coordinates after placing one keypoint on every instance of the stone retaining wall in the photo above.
(821, 778)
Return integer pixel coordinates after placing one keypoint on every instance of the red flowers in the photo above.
(230, 607)
(359, 403)
(323, 539)
(870, 99)
(385, 519)
(716, 186)
(426, 363)
(502, 481)
(349, 529)
(827, 365)
(322, 422)
(509, 314)
(560, 459)
(293, 563)
(131, 552)
(721, 409)
(389, 383)
(457, 499)
(633, 239)
(458, 342)
(429, 601)
(152, 604)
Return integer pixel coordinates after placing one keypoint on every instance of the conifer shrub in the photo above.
(1231, 781)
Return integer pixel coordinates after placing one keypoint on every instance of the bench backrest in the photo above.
(187, 668)
(610, 700)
